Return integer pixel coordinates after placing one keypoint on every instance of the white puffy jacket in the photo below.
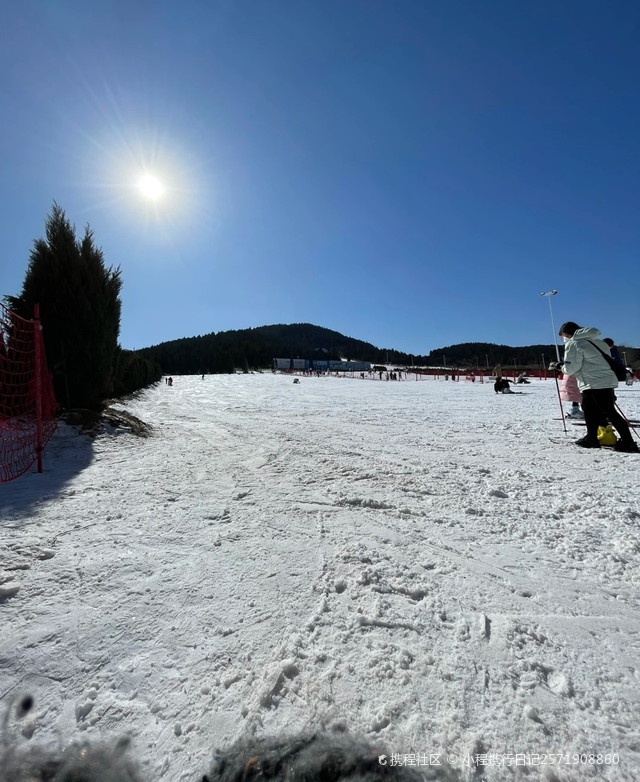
(586, 363)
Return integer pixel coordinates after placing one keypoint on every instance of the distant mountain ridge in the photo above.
(255, 348)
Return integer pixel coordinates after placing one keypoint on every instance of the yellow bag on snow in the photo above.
(606, 435)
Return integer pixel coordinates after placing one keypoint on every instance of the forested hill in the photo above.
(255, 348)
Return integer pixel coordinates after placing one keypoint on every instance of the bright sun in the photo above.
(150, 187)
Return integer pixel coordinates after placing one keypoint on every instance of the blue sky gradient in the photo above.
(412, 174)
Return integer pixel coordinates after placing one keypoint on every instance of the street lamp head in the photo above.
(549, 293)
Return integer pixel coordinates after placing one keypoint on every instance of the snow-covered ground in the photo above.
(416, 562)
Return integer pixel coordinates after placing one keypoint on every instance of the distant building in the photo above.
(290, 364)
(343, 366)
(301, 364)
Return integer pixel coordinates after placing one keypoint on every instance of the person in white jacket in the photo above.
(597, 383)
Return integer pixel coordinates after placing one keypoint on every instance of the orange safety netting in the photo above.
(27, 401)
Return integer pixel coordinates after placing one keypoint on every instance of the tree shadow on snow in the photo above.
(67, 454)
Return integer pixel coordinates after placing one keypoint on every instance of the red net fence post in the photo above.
(27, 403)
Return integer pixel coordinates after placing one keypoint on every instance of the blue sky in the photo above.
(409, 173)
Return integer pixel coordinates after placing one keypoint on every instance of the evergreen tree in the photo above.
(80, 307)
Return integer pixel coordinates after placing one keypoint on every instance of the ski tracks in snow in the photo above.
(451, 594)
(281, 557)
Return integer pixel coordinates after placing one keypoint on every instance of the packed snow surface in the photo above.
(416, 562)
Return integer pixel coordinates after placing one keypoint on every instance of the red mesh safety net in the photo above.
(27, 402)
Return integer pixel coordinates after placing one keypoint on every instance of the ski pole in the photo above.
(564, 423)
(627, 420)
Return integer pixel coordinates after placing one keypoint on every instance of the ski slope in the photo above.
(415, 562)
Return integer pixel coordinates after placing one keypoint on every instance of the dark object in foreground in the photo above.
(80, 763)
(323, 758)
(317, 757)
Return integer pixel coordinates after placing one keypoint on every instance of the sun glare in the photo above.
(147, 179)
(150, 187)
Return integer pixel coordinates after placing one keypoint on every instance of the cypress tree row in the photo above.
(134, 371)
(80, 308)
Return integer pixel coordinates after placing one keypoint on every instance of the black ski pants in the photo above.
(598, 406)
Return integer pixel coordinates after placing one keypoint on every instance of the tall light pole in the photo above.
(549, 294)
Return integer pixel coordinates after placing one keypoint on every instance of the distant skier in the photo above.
(615, 353)
(502, 386)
